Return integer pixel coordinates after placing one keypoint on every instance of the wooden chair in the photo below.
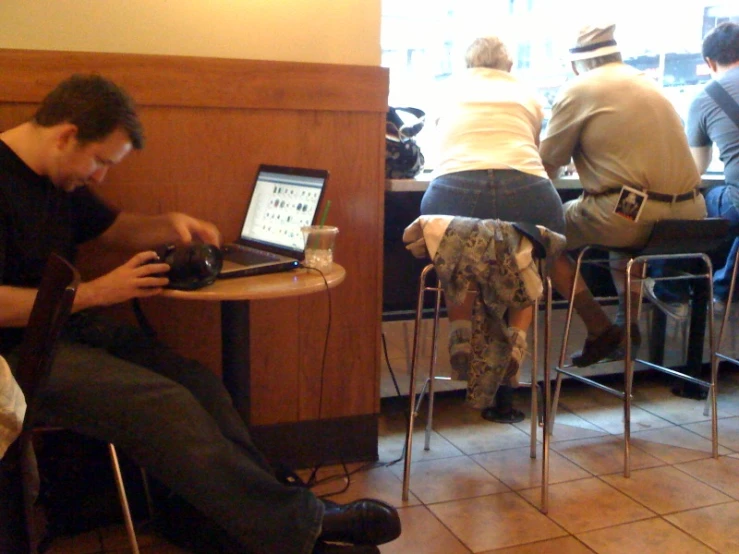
(50, 312)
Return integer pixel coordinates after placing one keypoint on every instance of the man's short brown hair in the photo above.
(96, 105)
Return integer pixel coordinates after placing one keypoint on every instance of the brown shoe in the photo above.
(599, 348)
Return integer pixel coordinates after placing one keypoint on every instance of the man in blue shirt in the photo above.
(709, 123)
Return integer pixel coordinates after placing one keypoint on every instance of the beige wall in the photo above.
(318, 31)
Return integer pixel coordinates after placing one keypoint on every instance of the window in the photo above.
(423, 43)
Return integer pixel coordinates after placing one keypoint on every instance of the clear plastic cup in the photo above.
(320, 241)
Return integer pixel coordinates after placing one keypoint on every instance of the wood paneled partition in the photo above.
(209, 123)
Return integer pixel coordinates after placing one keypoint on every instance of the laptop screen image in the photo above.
(283, 201)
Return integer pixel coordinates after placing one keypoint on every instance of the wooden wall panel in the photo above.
(209, 123)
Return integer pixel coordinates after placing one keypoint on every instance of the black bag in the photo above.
(403, 157)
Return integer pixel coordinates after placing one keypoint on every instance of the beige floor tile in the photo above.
(568, 426)
(390, 447)
(381, 483)
(589, 504)
(667, 453)
(652, 536)
(728, 432)
(495, 521)
(606, 412)
(716, 526)
(483, 436)
(564, 545)
(423, 533)
(519, 471)
(666, 489)
(682, 437)
(450, 479)
(661, 402)
(603, 455)
(722, 474)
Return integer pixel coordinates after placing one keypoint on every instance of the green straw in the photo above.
(325, 213)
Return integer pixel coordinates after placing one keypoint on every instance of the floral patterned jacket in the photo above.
(500, 260)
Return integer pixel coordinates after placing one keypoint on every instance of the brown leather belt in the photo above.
(656, 196)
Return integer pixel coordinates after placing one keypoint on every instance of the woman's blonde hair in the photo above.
(488, 52)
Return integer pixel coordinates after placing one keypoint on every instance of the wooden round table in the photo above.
(234, 295)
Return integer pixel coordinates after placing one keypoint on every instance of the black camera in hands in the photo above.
(191, 266)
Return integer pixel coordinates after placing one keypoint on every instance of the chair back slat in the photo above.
(50, 311)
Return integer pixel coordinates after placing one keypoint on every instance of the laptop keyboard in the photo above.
(249, 256)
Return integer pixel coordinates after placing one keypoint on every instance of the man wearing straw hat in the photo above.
(627, 142)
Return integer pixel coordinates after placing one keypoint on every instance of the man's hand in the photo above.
(136, 232)
(189, 228)
(139, 277)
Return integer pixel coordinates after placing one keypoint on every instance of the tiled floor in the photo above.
(478, 490)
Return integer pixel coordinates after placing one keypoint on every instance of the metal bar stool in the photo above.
(724, 325)
(670, 240)
(415, 401)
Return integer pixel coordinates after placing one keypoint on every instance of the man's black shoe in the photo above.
(620, 352)
(364, 521)
(328, 548)
(599, 348)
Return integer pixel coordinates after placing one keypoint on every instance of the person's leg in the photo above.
(457, 194)
(178, 421)
(163, 427)
(460, 334)
(519, 321)
(722, 202)
(521, 198)
(618, 271)
(603, 337)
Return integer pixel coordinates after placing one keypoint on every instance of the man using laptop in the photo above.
(111, 381)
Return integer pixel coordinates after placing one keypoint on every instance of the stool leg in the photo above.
(712, 391)
(565, 341)
(123, 499)
(534, 381)
(628, 373)
(432, 367)
(546, 393)
(412, 406)
(724, 320)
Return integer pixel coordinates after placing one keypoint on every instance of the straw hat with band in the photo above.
(594, 41)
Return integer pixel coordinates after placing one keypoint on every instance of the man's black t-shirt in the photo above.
(36, 219)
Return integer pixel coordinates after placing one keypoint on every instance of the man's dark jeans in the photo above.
(723, 201)
(173, 417)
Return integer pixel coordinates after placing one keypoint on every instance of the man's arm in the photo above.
(140, 232)
(702, 156)
(133, 279)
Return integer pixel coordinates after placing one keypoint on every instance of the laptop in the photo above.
(283, 200)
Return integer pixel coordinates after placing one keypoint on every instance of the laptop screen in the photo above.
(284, 200)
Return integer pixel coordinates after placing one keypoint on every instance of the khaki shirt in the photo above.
(619, 129)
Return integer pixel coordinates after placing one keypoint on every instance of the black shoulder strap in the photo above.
(724, 101)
